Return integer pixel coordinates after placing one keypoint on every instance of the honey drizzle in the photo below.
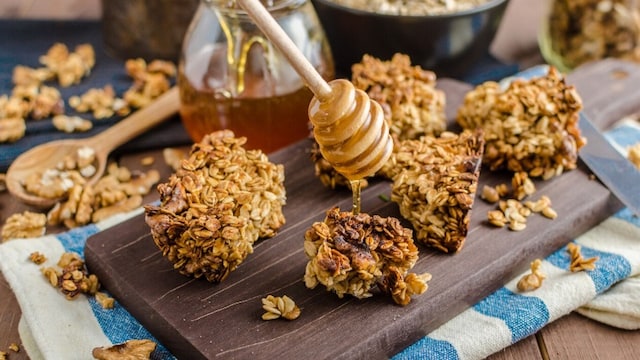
(356, 188)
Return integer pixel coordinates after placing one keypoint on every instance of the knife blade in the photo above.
(616, 172)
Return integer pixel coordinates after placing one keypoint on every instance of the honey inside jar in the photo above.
(231, 77)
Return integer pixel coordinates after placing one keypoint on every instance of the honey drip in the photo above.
(352, 133)
(356, 187)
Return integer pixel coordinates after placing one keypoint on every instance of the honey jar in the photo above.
(231, 76)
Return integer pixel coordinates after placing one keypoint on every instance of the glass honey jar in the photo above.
(231, 76)
(575, 32)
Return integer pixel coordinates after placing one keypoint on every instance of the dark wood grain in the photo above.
(196, 319)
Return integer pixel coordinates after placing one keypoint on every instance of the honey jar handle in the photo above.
(281, 40)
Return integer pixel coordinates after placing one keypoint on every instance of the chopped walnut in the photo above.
(351, 254)
(37, 257)
(73, 277)
(435, 181)
(531, 126)
(221, 200)
(12, 129)
(102, 103)
(106, 301)
(129, 350)
(578, 263)
(279, 306)
(69, 67)
(71, 124)
(149, 81)
(634, 155)
(24, 225)
(14, 347)
(533, 280)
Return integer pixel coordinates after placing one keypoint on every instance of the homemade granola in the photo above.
(434, 184)
(220, 201)
(353, 254)
(582, 31)
(411, 7)
(530, 126)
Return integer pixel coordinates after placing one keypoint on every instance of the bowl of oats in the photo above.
(445, 36)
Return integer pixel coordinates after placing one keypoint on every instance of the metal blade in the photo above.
(616, 172)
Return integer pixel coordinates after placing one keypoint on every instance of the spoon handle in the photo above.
(138, 122)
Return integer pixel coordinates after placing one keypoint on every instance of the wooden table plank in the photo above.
(586, 339)
(525, 349)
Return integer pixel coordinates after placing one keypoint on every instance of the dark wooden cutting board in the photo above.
(196, 319)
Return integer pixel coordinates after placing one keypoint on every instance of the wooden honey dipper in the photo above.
(349, 127)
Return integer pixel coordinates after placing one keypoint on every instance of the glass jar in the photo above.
(575, 32)
(150, 29)
(232, 77)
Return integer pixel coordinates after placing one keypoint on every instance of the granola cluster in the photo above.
(434, 184)
(221, 200)
(412, 105)
(411, 8)
(530, 126)
(72, 278)
(353, 254)
(587, 30)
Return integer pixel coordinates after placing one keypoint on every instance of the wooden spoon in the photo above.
(48, 155)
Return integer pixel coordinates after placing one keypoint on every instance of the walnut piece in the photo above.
(221, 200)
(24, 225)
(71, 124)
(533, 280)
(128, 350)
(634, 155)
(12, 129)
(353, 254)
(279, 306)
(578, 263)
(72, 278)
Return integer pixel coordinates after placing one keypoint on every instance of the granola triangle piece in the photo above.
(434, 184)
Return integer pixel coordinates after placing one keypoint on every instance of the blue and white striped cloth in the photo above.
(55, 328)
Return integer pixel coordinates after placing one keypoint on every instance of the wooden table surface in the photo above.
(571, 337)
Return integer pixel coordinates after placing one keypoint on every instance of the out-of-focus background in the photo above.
(50, 9)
